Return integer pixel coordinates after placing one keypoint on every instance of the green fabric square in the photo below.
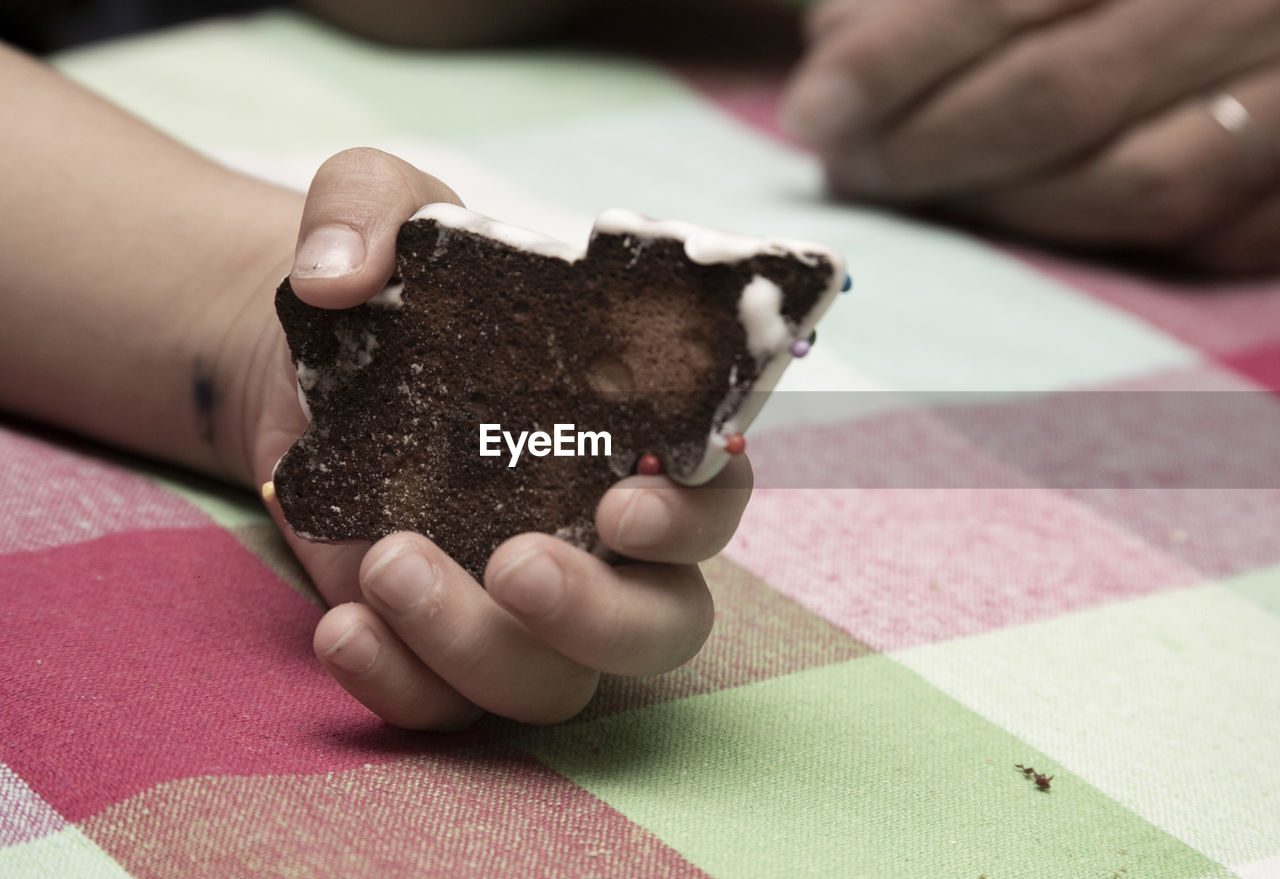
(65, 854)
(1262, 587)
(858, 769)
(445, 94)
(256, 97)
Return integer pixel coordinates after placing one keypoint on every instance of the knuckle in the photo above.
(1031, 109)
(356, 160)
(463, 651)
(1054, 95)
(359, 185)
(1161, 204)
(611, 638)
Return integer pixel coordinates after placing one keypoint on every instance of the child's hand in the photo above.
(156, 332)
(410, 634)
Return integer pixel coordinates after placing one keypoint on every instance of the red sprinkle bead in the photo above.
(649, 465)
(735, 444)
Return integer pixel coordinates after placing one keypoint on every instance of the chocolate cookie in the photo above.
(503, 381)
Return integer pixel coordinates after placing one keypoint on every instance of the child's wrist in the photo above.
(247, 349)
(248, 355)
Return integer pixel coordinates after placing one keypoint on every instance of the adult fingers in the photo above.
(873, 58)
(462, 635)
(628, 620)
(826, 20)
(372, 664)
(1055, 93)
(1249, 244)
(355, 206)
(1164, 182)
(653, 519)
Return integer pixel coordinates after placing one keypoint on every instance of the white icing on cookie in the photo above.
(390, 296)
(760, 310)
(452, 216)
(308, 378)
(704, 245)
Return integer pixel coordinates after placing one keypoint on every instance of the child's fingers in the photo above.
(357, 202)
(458, 631)
(374, 665)
(627, 620)
(652, 519)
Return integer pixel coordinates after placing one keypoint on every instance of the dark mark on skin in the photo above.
(203, 398)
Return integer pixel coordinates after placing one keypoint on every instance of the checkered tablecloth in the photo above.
(1013, 509)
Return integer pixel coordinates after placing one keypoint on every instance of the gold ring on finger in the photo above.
(1251, 143)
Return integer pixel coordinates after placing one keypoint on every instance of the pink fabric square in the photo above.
(1216, 506)
(51, 495)
(1215, 317)
(900, 567)
(1219, 532)
(903, 448)
(458, 812)
(147, 656)
(1196, 428)
(1261, 365)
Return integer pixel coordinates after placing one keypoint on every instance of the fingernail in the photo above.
(531, 584)
(823, 106)
(401, 579)
(355, 651)
(644, 521)
(329, 252)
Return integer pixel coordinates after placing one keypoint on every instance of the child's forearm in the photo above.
(135, 276)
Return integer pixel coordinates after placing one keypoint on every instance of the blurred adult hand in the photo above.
(1120, 124)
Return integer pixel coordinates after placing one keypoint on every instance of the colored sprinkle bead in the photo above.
(735, 444)
(848, 282)
(801, 347)
(649, 465)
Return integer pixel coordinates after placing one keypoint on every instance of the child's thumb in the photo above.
(356, 204)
